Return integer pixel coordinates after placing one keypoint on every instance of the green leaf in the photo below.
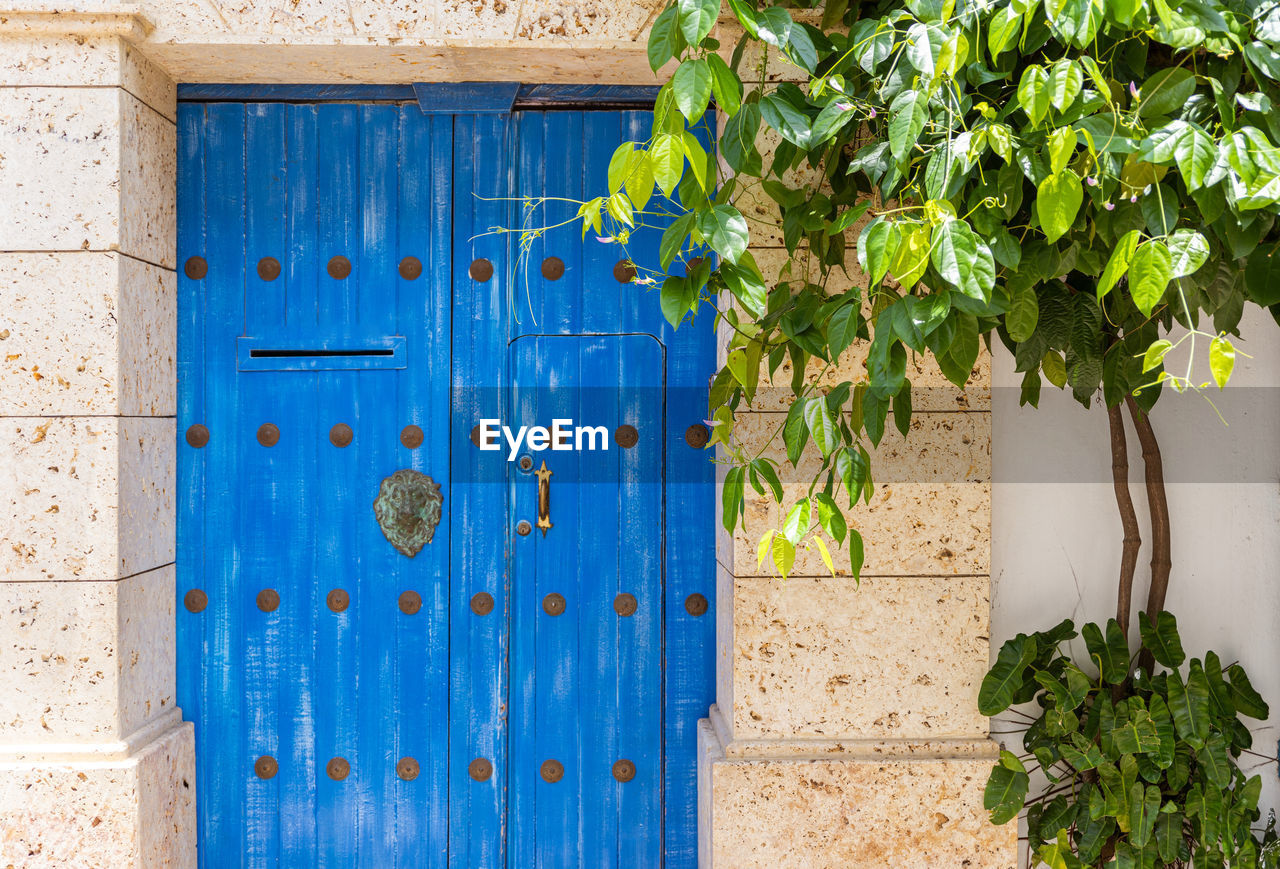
(1247, 701)
(911, 255)
(1033, 93)
(663, 41)
(1188, 250)
(746, 285)
(1189, 705)
(1003, 30)
(1058, 201)
(877, 245)
(830, 518)
(907, 113)
(677, 298)
(697, 17)
(618, 164)
(1121, 257)
(963, 260)
(692, 88)
(1007, 675)
(731, 498)
(1222, 359)
(1262, 277)
(1112, 654)
(799, 519)
(821, 426)
(1006, 789)
(1195, 155)
(1144, 807)
(725, 229)
(1169, 835)
(638, 182)
(666, 159)
(1065, 83)
(856, 553)
(1214, 762)
(674, 238)
(842, 329)
(1165, 92)
(1024, 313)
(795, 432)
(726, 86)
(1161, 639)
(697, 157)
(1149, 275)
(1062, 145)
(784, 556)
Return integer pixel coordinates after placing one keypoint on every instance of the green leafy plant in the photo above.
(1142, 768)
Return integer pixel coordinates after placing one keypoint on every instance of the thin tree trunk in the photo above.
(1128, 516)
(1158, 506)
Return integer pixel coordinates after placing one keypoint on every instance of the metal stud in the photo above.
(626, 436)
(482, 603)
(692, 265)
(338, 768)
(268, 268)
(268, 434)
(480, 769)
(195, 600)
(268, 600)
(481, 270)
(552, 771)
(411, 437)
(553, 268)
(195, 267)
(625, 271)
(410, 268)
(697, 435)
(475, 435)
(266, 767)
(625, 604)
(340, 435)
(526, 463)
(197, 436)
(523, 528)
(338, 600)
(624, 770)
(407, 768)
(553, 604)
(410, 602)
(339, 267)
(695, 604)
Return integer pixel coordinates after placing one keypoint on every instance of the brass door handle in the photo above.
(544, 499)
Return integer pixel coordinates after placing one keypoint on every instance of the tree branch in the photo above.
(1158, 505)
(1128, 516)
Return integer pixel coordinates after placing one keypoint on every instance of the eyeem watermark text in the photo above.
(563, 435)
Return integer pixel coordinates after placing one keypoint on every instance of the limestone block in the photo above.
(86, 169)
(938, 448)
(86, 333)
(53, 60)
(134, 813)
(85, 498)
(821, 658)
(600, 19)
(850, 814)
(85, 661)
(909, 529)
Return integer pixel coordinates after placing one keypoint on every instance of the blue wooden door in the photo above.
(346, 314)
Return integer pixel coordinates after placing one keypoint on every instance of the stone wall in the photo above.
(845, 733)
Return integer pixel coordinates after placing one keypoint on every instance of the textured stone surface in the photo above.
(814, 658)
(85, 661)
(86, 333)
(85, 498)
(909, 529)
(86, 169)
(847, 814)
(80, 61)
(126, 814)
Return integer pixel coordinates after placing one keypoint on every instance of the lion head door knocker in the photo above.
(408, 510)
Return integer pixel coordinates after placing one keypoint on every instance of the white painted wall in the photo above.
(1056, 536)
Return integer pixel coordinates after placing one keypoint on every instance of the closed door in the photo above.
(383, 670)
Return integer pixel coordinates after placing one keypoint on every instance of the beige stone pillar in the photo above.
(846, 731)
(96, 765)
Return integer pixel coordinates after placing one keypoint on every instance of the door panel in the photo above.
(311, 680)
(439, 711)
(586, 672)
